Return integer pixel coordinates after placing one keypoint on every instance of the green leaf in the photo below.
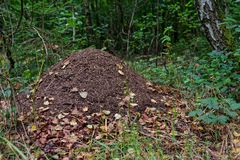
(210, 103)
(231, 114)
(208, 118)
(222, 119)
(196, 112)
(233, 105)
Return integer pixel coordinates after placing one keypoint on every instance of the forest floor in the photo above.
(91, 105)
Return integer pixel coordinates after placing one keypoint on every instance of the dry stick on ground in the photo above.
(39, 75)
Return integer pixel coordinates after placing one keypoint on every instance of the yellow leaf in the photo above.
(236, 134)
(33, 128)
(236, 150)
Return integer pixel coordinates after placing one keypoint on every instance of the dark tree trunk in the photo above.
(211, 22)
(88, 20)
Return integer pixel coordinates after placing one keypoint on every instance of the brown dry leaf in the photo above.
(43, 140)
(58, 128)
(98, 137)
(51, 99)
(21, 118)
(121, 72)
(132, 95)
(85, 109)
(65, 113)
(119, 66)
(55, 121)
(43, 109)
(65, 120)
(126, 99)
(117, 116)
(65, 64)
(104, 128)
(236, 134)
(133, 104)
(73, 138)
(153, 101)
(236, 150)
(75, 112)
(50, 73)
(46, 103)
(83, 94)
(60, 116)
(73, 122)
(74, 89)
(149, 84)
(151, 89)
(106, 112)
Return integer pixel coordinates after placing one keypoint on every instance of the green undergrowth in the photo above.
(212, 81)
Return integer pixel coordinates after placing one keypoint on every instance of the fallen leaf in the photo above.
(236, 134)
(133, 104)
(51, 98)
(50, 73)
(121, 72)
(73, 122)
(153, 101)
(60, 116)
(106, 112)
(21, 118)
(98, 137)
(65, 120)
(119, 66)
(73, 138)
(55, 121)
(149, 84)
(89, 126)
(43, 140)
(132, 95)
(83, 94)
(103, 128)
(33, 128)
(58, 128)
(43, 109)
(46, 103)
(117, 116)
(85, 109)
(122, 103)
(65, 64)
(75, 112)
(74, 89)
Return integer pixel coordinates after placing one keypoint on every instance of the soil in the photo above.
(90, 95)
(95, 80)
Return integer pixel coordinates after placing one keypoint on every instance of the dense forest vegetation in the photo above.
(191, 46)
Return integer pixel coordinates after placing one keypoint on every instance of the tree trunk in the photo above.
(211, 22)
(88, 22)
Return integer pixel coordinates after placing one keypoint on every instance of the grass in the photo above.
(11, 151)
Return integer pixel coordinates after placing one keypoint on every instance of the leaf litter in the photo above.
(72, 117)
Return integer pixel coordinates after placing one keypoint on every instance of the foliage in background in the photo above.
(166, 31)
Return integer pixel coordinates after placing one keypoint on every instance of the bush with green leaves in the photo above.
(218, 76)
(213, 80)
